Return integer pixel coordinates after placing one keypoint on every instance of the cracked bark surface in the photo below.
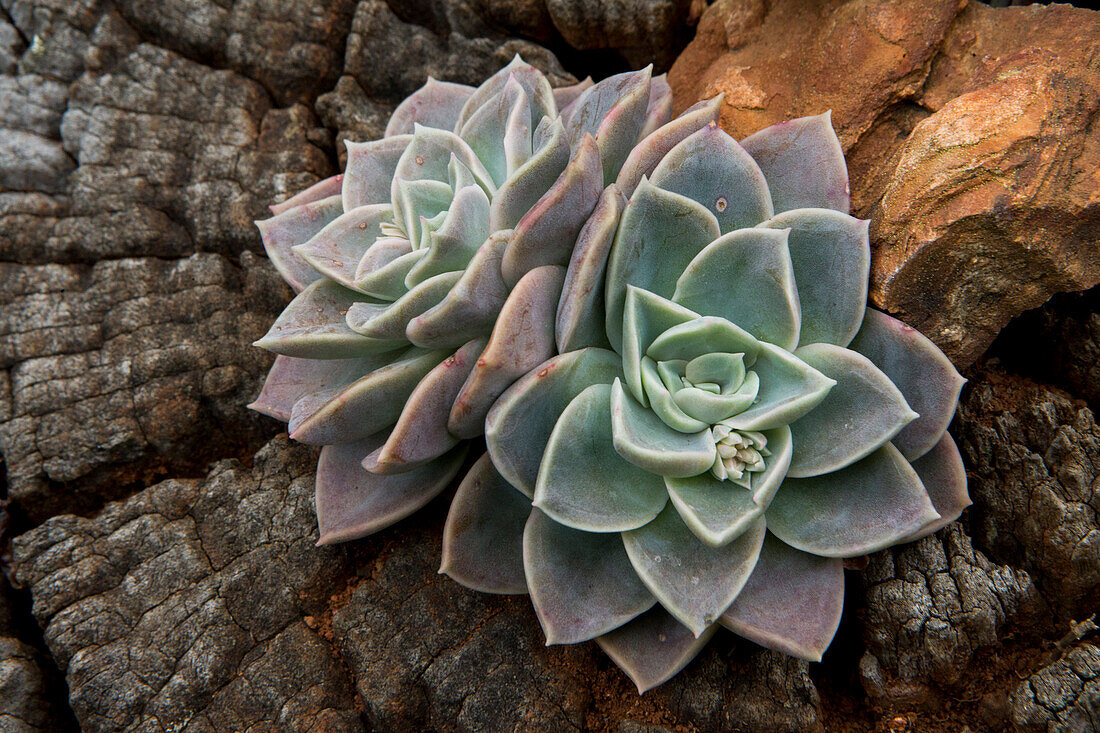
(138, 141)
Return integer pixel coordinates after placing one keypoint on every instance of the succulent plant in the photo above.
(428, 275)
(726, 420)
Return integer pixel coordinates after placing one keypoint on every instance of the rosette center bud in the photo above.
(739, 454)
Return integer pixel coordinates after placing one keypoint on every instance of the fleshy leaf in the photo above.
(719, 511)
(659, 110)
(471, 308)
(420, 434)
(415, 202)
(290, 379)
(645, 156)
(483, 537)
(453, 245)
(789, 388)
(387, 281)
(792, 602)
(646, 441)
(500, 131)
(660, 233)
(337, 249)
(704, 335)
(388, 321)
(352, 503)
(831, 255)
(614, 113)
(943, 474)
(746, 277)
(546, 234)
(369, 170)
(863, 508)
(534, 178)
(693, 581)
(323, 189)
(532, 80)
(710, 168)
(366, 406)
(581, 583)
(580, 315)
(926, 377)
(428, 157)
(645, 317)
(313, 326)
(652, 648)
(862, 411)
(803, 163)
(436, 104)
(519, 424)
(583, 483)
(564, 96)
(522, 339)
(292, 227)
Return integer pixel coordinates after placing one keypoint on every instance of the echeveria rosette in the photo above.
(428, 277)
(727, 420)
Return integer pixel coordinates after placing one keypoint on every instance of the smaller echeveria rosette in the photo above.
(428, 276)
(727, 419)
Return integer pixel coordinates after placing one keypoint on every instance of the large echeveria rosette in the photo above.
(428, 275)
(727, 419)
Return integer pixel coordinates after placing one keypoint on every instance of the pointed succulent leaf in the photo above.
(661, 401)
(693, 581)
(415, 202)
(580, 314)
(709, 167)
(831, 256)
(862, 412)
(863, 508)
(645, 317)
(792, 602)
(290, 379)
(436, 104)
(614, 113)
(370, 169)
(336, 250)
(789, 388)
(519, 424)
(286, 230)
(583, 483)
(500, 131)
(420, 434)
(364, 407)
(533, 179)
(803, 163)
(313, 326)
(387, 280)
(564, 96)
(922, 372)
(701, 336)
(943, 474)
(746, 277)
(522, 338)
(532, 80)
(719, 511)
(649, 443)
(352, 503)
(645, 156)
(323, 189)
(660, 233)
(581, 583)
(453, 245)
(652, 648)
(659, 110)
(428, 157)
(546, 234)
(470, 309)
(483, 536)
(389, 320)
